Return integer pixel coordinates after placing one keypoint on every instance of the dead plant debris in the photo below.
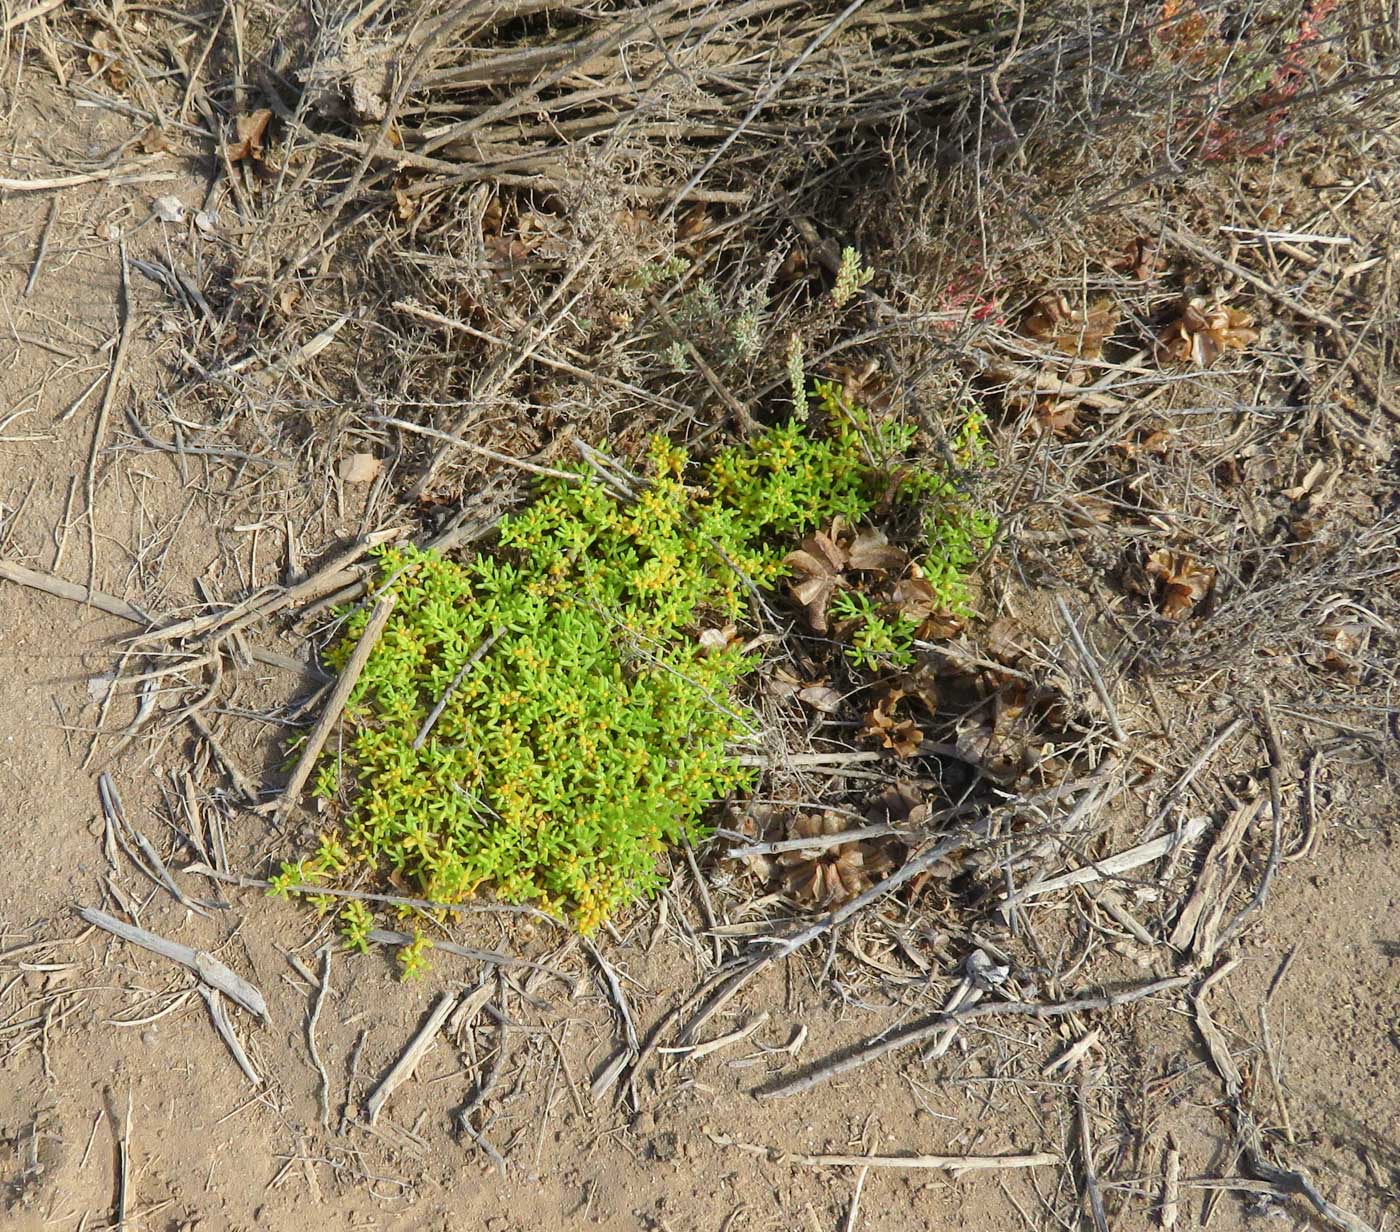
(1183, 582)
(1204, 331)
(1076, 332)
(826, 876)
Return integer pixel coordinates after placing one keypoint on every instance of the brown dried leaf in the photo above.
(939, 627)
(153, 141)
(1184, 581)
(1139, 260)
(780, 684)
(820, 697)
(921, 684)
(1003, 743)
(1054, 416)
(1076, 332)
(102, 60)
(1204, 331)
(900, 805)
(883, 725)
(712, 640)
(872, 552)
(864, 386)
(1006, 641)
(250, 131)
(693, 225)
(915, 599)
(794, 267)
(1340, 643)
(360, 468)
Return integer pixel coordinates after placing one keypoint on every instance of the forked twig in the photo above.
(929, 1027)
(205, 965)
(225, 1030)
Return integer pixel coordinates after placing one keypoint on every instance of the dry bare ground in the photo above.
(281, 283)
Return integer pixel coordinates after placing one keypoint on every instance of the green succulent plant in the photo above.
(598, 724)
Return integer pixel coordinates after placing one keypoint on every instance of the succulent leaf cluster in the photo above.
(599, 725)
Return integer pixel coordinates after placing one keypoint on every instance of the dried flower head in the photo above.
(1204, 331)
(884, 726)
(1184, 581)
(827, 875)
(1072, 331)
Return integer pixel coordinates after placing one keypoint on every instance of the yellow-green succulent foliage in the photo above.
(597, 727)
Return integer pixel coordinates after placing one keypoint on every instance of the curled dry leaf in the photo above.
(940, 626)
(1006, 642)
(1054, 416)
(168, 209)
(921, 684)
(1139, 260)
(694, 224)
(1001, 744)
(1205, 331)
(782, 686)
(153, 141)
(817, 567)
(1340, 642)
(864, 386)
(871, 552)
(712, 640)
(752, 823)
(103, 60)
(1076, 332)
(900, 805)
(249, 133)
(1184, 581)
(820, 697)
(1151, 442)
(915, 599)
(827, 876)
(885, 727)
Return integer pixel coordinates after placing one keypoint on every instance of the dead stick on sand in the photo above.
(938, 1163)
(330, 716)
(1092, 1191)
(112, 606)
(205, 965)
(62, 181)
(324, 1090)
(930, 1027)
(60, 589)
(1111, 866)
(225, 1030)
(104, 411)
(408, 1062)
